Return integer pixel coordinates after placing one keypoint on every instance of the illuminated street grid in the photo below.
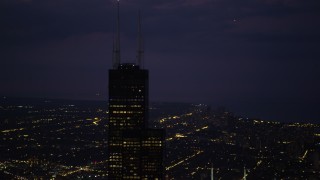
(67, 139)
(235, 147)
(52, 139)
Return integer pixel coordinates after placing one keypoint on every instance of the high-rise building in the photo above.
(134, 150)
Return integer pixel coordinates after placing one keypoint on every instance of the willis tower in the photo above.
(134, 150)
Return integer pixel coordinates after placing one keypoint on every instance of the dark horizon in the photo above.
(270, 111)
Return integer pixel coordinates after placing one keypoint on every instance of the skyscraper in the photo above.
(134, 150)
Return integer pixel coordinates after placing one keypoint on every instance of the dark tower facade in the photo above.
(134, 150)
(128, 97)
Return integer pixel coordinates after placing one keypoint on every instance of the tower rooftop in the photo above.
(128, 66)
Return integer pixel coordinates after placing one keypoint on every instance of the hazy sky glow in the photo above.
(196, 50)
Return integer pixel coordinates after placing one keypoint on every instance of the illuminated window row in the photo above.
(115, 166)
(131, 145)
(115, 144)
(125, 125)
(115, 157)
(151, 142)
(127, 100)
(131, 177)
(151, 145)
(115, 160)
(125, 106)
(146, 178)
(127, 112)
(131, 142)
(118, 106)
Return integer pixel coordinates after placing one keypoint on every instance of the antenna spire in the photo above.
(116, 51)
(140, 50)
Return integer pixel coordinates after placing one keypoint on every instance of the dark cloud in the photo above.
(34, 21)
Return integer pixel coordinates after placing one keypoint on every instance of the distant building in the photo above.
(134, 150)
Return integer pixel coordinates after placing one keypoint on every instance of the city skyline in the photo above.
(43, 138)
(223, 51)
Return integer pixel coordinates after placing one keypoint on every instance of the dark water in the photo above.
(283, 112)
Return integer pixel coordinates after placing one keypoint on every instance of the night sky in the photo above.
(249, 54)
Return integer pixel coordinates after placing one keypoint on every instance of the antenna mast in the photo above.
(116, 51)
(140, 51)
